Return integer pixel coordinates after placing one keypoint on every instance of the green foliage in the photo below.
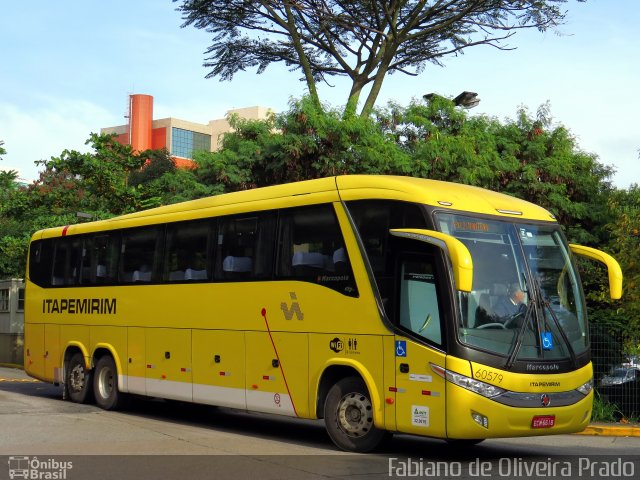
(157, 164)
(173, 187)
(13, 249)
(623, 228)
(303, 143)
(604, 411)
(91, 182)
(529, 158)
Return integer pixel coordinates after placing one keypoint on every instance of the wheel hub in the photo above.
(355, 415)
(77, 378)
(105, 383)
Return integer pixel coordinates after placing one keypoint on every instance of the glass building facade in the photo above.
(185, 142)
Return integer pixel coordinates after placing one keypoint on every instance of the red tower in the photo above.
(140, 122)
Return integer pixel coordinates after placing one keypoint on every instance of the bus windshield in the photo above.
(526, 302)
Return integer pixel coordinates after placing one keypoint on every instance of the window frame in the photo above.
(5, 300)
(344, 282)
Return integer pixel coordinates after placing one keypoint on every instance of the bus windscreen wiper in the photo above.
(518, 343)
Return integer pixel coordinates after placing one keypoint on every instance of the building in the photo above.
(11, 321)
(180, 137)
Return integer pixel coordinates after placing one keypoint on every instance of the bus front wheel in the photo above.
(78, 379)
(105, 384)
(348, 416)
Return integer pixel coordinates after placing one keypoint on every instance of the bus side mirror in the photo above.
(456, 251)
(615, 272)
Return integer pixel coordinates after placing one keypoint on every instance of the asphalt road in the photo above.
(159, 439)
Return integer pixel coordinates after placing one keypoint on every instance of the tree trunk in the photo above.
(304, 61)
(354, 97)
(369, 103)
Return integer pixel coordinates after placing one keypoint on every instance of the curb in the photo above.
(12, 365)
(611, 431)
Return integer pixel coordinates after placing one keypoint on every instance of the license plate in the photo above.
(543, 421)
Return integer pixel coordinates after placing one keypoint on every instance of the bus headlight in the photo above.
(481, 388)
(586, 388)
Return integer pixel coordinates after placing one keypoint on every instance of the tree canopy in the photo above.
(361, 40)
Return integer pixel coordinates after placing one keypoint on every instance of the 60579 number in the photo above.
(488, 375)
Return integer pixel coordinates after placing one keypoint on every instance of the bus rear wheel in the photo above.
(348, 416)
(105, 384)
(78, 379)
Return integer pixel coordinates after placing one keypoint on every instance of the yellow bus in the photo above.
(381, 304)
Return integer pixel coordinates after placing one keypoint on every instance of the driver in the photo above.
(509, 306)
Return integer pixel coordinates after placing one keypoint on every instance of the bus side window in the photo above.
(186, 250)
(87, 271)
(245, 247)
(99, 259)
(373, 219)
(419, 310)
(138, 253)
(312, 249)
(66, 257)
(40, 259)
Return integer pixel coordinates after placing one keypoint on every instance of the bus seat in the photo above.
(309, 259)
(141, 276)
(340, 260)
(237, 264)
(101, 271)
(308, 263)
(191, 274)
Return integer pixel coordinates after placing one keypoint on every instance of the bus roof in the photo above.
(445, 195)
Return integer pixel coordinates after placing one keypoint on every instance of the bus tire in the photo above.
(105, 385)
(78, 380)
(348, 416)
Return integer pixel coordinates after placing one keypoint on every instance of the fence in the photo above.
(616, 371)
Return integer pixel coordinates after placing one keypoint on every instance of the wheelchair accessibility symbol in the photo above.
(547, 340)
(401, 348)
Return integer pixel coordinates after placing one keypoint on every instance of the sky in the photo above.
(67, 68)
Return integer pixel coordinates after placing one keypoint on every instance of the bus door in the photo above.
(420, 393)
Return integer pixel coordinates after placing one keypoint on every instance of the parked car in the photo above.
(633, 362)
(622, 387)
(618, 376)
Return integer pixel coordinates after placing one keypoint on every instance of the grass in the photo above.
(604, 411)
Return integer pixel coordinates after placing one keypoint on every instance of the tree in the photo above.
(624, 243)
(94, 182)
(303, 143)
(361, 40)
(530, 157)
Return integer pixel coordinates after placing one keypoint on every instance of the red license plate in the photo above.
(543, 421)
